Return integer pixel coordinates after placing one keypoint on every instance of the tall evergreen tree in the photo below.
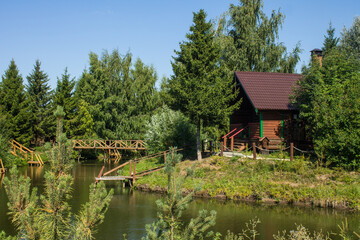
(330, 41)
(40, 95)
(249, 40)
(121, 96)
(14, 105)
(200, 86)
(64, 96)
(82, 125)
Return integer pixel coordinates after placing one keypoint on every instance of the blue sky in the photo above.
(62, 33)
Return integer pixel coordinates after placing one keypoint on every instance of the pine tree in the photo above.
(41, 116)
(249, 40)
(14, 105)
(169, 225)
(200, 86)
(52, 219)
(64, 96)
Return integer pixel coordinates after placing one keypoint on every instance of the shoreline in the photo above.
(297, 183)
(267, 201)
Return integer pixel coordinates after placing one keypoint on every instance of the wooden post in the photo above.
(232, 144)
(100, 174)
(130, 163)
(291, 152)
(225, 140)
(222, 149)
(2, 167)
(164, 156)
(254, 150)
(134, 172)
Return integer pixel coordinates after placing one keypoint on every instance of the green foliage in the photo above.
(297, 181)
(350, 41)
(93, 212)
(40, 115)
(4, 237)
(328, 99)
(64, 96)
(249, 40)
(120, 95)
(201, 88)
(51, 218)
(169, 128)
(301, 233)
(168, 224)
(82, 125)
(22, 203)
(14, 105)
(330, 41)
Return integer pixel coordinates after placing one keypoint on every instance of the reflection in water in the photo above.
(130, 211)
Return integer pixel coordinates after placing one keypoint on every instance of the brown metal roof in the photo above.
(268, 91)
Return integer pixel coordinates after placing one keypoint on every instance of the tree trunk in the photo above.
(198, 146)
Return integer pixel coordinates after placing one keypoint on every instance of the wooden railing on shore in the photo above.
(132, 168)
(109, 144)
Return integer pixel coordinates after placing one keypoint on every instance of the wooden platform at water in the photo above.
(33, 163)
(113, 178)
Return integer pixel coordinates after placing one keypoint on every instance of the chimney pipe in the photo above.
(318, 53)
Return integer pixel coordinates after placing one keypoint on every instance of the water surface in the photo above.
(130, 211)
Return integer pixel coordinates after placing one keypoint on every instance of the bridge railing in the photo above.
(109, 144)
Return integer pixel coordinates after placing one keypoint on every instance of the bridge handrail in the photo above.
(20, 146)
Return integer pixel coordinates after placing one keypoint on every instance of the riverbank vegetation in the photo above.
(265, 180)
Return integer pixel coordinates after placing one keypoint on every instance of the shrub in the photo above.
(169, 128)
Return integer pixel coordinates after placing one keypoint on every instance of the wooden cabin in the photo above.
(265, 115)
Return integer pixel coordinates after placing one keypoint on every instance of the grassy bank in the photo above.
(297, 182)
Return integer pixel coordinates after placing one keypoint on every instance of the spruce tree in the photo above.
(40, 95)
(82, 125)
(330, 41)
(64, 96)
(200, 86)
(121, 95)
(14, 105)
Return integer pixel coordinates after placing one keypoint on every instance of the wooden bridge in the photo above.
(133, 175)
(110, 147)
(109, 144)
(18, 149)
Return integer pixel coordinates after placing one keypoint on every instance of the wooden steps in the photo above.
(17, 149)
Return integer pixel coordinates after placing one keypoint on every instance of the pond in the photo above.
(130, 211)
